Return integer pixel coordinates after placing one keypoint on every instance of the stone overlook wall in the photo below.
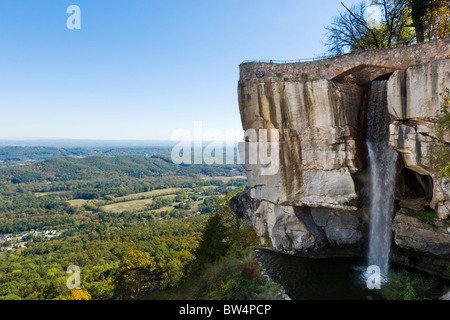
(380, 60)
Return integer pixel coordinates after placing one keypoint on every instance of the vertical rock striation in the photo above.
(319, 124)
(422, 239)
(322, 147)
(415, 106)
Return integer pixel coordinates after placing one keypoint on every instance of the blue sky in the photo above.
(140, 69)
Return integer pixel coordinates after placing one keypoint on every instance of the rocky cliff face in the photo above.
(415, 105)
(313, 198)
(317, 200)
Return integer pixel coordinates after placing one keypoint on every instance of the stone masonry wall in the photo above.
(340, 66)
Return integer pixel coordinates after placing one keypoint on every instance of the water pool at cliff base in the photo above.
(318, 278)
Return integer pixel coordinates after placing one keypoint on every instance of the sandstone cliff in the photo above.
(317, 199)
(415, 105)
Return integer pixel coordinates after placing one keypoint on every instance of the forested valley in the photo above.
(134, 225)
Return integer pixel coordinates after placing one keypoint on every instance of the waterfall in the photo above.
(382, 161)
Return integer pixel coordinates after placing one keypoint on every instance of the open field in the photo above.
(128, 205)
(78, 202)
(139, 201)
(42, 194)
(148, 194)
(168, 208)
(141, 204)
(194, 207)
(224, 179)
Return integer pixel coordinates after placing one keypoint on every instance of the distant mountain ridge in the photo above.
(100, 166)
(19, 155)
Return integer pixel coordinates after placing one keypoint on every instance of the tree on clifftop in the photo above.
(355, 30)
(431, 18)
(399, 22)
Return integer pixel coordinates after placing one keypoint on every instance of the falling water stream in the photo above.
(382, 162)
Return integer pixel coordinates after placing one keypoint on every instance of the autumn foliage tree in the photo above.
(430, 18)
(138, 274)
(401, 22)
(79, 295)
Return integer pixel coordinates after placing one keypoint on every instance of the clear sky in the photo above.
(140, 69)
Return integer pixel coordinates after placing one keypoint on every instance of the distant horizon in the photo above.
(86, 143)
(55, 142)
